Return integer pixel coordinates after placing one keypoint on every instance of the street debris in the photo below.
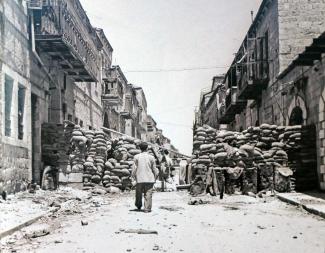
(140, 231)
(35, 231)
(84, 223)
(198, 202)
(233, 208)
(171, 208)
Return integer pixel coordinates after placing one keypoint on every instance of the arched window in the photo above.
(296, 117)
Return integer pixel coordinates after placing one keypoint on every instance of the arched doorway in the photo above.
(106, 120)
(296, 117)
(296, 111)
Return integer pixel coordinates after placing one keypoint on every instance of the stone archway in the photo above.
(321, 140)
(297, 106)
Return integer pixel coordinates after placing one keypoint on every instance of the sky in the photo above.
(152, 37)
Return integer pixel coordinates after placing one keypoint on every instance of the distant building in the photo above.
(142, 120)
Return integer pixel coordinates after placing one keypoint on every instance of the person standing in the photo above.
(145, 174)
(182, 171)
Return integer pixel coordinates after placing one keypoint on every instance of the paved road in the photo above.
(235, 224)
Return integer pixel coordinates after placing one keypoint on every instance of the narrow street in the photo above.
(235, 224)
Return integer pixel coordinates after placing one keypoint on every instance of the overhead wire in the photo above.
(175, 69)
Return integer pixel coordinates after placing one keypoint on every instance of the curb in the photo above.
(24, 224)
(305, 207)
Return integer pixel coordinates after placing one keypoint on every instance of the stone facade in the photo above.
(88, 108)
(16, 163)
(263, 79)
(56, 68)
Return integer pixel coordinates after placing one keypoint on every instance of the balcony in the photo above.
(254, 81)
(234, 105)
(63, 32)
(128, 115)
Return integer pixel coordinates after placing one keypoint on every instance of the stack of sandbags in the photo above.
(90, 134)
(203, 135)
(226, 137)
(101, 144)
(116, 173)
(199, 138)
(78, 150)
(118, 169)
(89, 171)
(54, 145)
(292, 137)
(268, 135)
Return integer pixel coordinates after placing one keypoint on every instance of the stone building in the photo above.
(113, 98)
(65, 70)
(15, 93)
(212, 101)
(55, 69)
(130, 113)
(142, 101)
(262, 86)
(152, 129)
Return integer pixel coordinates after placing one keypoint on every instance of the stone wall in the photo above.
(305, 87)
(15, 172)
(88, 106)
(299, 22)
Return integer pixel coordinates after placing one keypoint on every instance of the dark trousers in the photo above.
(146, 189)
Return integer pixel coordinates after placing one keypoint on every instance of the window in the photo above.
(8, 99)
(21, 109)
(81, 123)
(69, 117)
(64, 82)
(76, 120)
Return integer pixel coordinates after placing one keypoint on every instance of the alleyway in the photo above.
(235, 224)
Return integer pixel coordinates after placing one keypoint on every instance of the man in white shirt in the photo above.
(145, 174)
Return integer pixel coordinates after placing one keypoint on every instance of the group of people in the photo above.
(145, 173)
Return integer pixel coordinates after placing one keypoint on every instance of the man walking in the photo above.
(145, 174)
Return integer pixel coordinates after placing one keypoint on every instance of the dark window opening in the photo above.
(65, 82)
(69, 117)
(8, 100)
(76, 120)
(64, 110)
(81, 123)
(21, 110)
(106, 121)
(296, 117)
